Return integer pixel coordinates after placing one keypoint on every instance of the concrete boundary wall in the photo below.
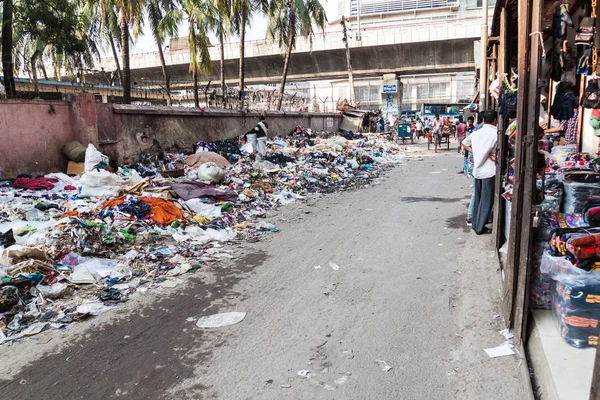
(32, 133)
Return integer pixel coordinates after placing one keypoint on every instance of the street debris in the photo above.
(304, 373)
(384, 366)
(76, 247)
(220, 320)
(505, 349)
(334, 266)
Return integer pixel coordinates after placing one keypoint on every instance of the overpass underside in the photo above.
(403, 59)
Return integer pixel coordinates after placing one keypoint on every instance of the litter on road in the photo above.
(220, 320)
(384, 366)
(505, 349)
(75, 247)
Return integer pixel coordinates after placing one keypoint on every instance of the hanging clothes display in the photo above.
(565, 102)
(507, 100)
(591, 96)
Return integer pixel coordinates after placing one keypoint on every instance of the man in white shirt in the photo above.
(482, 143)
(436, 131)
(419, 128)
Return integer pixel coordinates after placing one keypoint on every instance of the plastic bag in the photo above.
(560, 153)
(577, 190)
(93, 157)
(201, 208)
(211, 172)
(105, 184)
(7, 238)
(577, 312)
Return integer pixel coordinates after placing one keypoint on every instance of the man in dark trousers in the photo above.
(482, 143)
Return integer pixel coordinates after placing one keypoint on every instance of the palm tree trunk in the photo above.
(285, 70)
(196, 99)
(126, 81)
(243, 19)
(43, 68)
(222, 67)
(34, 78)
(7, 48)
(115, 55)
(165, 74)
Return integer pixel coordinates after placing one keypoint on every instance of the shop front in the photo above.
(542, 63)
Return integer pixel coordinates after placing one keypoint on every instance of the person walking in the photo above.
(436, 131)
(419, 127)
(482, 143)
(461, 132)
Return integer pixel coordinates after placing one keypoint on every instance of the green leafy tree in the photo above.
(54, 28)
(286, 20)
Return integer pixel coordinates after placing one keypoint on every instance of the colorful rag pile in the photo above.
(34, 183)
(162, 212)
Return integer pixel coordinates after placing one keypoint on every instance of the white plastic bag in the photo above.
(203, 209)
(105, 184)
(93, 157)
(211, 172)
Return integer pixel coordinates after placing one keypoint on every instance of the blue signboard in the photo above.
(390, 88)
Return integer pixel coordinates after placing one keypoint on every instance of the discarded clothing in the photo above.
(34, 183)
(194, 190)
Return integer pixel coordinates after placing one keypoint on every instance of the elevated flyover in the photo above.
(436, 46)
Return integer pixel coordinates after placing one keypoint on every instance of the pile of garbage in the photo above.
(74, 247)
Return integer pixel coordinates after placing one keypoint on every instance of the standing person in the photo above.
(436, 130)
(482, 143)
(419, 127)
(468, 164)
(427, 125)
(461, 132)
(257, 137)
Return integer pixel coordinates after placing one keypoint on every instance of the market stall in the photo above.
(543, 82)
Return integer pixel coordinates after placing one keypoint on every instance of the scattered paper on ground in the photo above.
(220, 320)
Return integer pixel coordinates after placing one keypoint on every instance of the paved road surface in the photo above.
(414, 288)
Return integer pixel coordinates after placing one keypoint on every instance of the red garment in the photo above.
(70, 187)
(461, 131)
(34, 183)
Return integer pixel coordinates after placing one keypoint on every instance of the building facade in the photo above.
(413, 21)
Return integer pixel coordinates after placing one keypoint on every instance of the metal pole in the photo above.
(483, 57)
(349, 61)
(358, 34)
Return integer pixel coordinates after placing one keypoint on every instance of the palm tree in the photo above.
(7, 48)
(104, 23)
(199, 15)
(163, 23)
(287, 20)
(130, 16)
(223, 26)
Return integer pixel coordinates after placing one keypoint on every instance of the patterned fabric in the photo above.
(570, 128)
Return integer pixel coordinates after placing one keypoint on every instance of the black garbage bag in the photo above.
(7, 238)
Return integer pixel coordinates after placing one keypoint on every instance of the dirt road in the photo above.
(415, 289)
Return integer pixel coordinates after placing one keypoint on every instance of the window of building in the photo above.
(385, 6)
(432, 91)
